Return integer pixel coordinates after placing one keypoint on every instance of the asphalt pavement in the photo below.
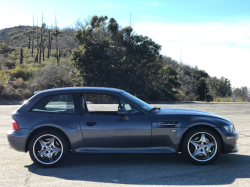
(17, 169)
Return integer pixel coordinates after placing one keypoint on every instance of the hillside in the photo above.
(38, 58)
(31, 62)
(10, 32)
(21, 36)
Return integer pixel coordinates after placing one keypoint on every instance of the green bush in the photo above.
(20, 73)
(10, 65)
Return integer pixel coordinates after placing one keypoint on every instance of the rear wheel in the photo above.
(48, 148)
(201, 145)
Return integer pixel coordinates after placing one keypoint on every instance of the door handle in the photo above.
(90, 123)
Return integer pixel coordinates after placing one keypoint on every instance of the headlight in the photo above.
(229, 128)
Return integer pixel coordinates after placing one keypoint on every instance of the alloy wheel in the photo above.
(202, 146)
(48, 149)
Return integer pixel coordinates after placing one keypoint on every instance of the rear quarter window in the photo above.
(62, 103)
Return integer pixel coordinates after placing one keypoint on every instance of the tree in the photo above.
(56, 33)
(199, 77)
(166, 86)
(37, 43)
(219, 87)
(41, 45)
(188, 84)
(33, 38)
(21, 56)
(28, 34)
(242, 93)
(111, 56)
(49, 42)
(170, 61)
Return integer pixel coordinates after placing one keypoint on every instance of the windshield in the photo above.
(137, 101)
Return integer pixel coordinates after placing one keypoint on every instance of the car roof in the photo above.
(79, 89)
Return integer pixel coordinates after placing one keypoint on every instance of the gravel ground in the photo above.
(17, 169)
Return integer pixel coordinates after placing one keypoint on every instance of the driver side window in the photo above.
(106, 104)
(103, 104)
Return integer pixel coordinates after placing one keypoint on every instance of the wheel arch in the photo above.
(45, 128)
(198, 126)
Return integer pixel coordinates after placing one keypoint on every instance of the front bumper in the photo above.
(229, 140)
(17, 138)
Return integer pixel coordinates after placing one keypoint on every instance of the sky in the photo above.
(213, 34)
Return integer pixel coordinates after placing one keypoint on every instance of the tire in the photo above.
(48, 148)
(201, 145)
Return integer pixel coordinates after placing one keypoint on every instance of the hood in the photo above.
(178, 111)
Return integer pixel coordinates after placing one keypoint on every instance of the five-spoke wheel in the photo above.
(48, 149)
(201, 145)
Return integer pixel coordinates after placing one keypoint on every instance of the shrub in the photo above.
(9, 92)
(20, 73)
(17, 89)
(10, 65)
(54, 76)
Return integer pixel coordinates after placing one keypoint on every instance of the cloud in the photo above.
(221, 48)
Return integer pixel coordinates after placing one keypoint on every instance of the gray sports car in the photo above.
(55, 122)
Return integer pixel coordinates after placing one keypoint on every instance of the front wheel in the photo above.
(48, 148)
(201, 145)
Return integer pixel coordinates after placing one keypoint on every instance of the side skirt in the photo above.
(126, 150)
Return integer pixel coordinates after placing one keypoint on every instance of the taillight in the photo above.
(15, 125)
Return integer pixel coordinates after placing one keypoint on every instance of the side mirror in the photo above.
(123, 113)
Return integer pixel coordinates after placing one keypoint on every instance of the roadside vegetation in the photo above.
(99, 52)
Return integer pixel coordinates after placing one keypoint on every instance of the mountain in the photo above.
(21, 36)
(10, 32)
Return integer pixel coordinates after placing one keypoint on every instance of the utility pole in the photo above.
(130, 19)
(181, 57)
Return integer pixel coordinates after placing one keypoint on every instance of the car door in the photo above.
(101, 126)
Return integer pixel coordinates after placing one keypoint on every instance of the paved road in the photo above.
(17, 169)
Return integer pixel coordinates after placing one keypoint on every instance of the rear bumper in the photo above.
(17, 139)
(229, 140)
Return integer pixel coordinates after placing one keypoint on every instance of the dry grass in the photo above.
(228, 99)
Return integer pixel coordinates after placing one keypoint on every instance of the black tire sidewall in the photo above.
(60, 137)
(190, 134)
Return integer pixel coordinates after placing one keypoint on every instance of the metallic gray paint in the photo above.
(17, 138)
(112, 131)
(126, 150)
(111, 134)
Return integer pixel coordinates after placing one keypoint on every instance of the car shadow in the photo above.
(158, 169)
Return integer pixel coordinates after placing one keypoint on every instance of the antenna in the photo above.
(55, 22)
(181, 57)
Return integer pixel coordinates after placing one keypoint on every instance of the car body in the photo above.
(107, 120)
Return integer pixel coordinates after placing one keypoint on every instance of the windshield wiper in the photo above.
(155, 108)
